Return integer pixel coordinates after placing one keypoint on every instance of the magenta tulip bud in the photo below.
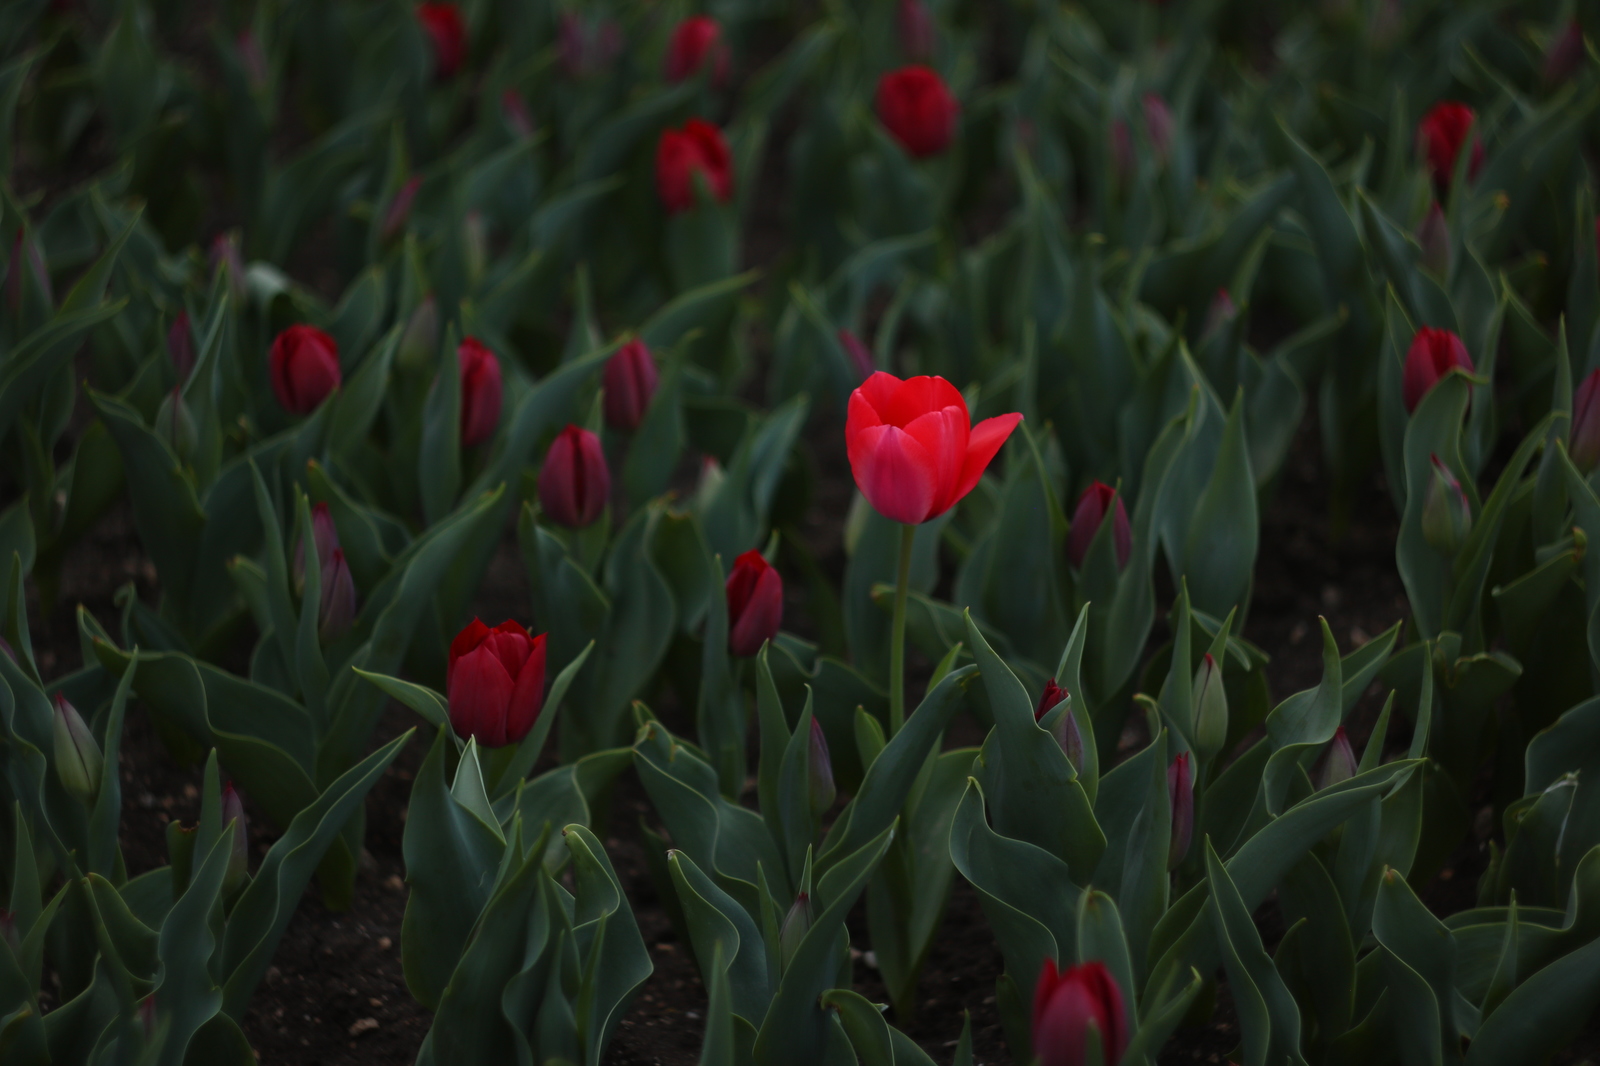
(755, 603)
(1338, 762)
(1584, 440)
(1432, 355)
(1434, 237)
(304, 367)
(180, 346)
(1158, 124)
(480, 392)
(78, 759)
(325, 535)
(1052, 695)
(630, 382)
(1066, 731)
(574, 483)
(1086, 520)
(1067, 1005)
(819, 772)
(860, 355)
(1180, 791)
(147, 1017)
(696, 43)
(918, 35)
(239, 855)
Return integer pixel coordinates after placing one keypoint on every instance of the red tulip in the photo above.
(755, 604)
(325, 535)
(575, 482)
(1583, 442)
(304, 367)
(480, 392)
(1086, 519)
(1052, 695)
(912, 447)
(1441, 135)
(495, 683)
(630, 380)
(1067, 733)
(680, 154)
(1066, 1004)
(448, 35)
(918, 110)
(1180, 791)
(694, 41)
(1433, 353)
(918, 35)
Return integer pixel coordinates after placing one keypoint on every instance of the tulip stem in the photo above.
(897, 634)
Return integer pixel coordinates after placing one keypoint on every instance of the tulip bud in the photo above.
(447, 33)
(1565, 54)
(180, 346)
(918, 110)
(819, 772)
(1052, 695)
(1441, 135)
(755, 603)
(1583, 443)
(175, 425)
(697, 149)
(918, 35)
(860, 355)
(1123, 160)
(304, 367)
(421, 337)
(1434, 236)
(1068, 1005)
(694, 41)
(1338, 762)
(239, 855)
(795, 926)
(325, 535)
(711, 478)
(1220, 314)
(571, 44)
(1433, 353)
(1158, 124)
(1086, 519)
(1066, 732)
(252, 60)
(495, 683)
(1210, 708)
(225, 256)
(630, 382)
(1180, 792)
(480, 392)
(517, 115)
(574, 483)
(337, 608)
(398, 212)
(78, 758)
(1446, 514)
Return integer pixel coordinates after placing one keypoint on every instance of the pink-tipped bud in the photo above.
(1052, 695)
(337, 608)
(1220, 314)
(147, 1017)
(1087, 517)
(325, 535)
(630, 381)
(1338, 762)
(77, 756)
(575, 482)
(1210, 707)
(1432, 355)
(796, 924)
(859, 354)
(819, 772)
(480, 391)
(1066, 729)
(1584, 440)
(225, 256)
(1180, 792)
(1068, 1005)
(239, 856)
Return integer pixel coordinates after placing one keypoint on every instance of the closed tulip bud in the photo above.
(912, 446)
(918, 35)
(480, 392)
(515, 110)
(337, 608)
(78, 758)
(630, 382)
(819, 772)
(1441, 135)
(1338, 762)
(1584, 440)
(1158, 124)
(755, 603)
(239, 855)
(1180, 792)
(1086, 520)
(398, 213)
(180, 346)
(447, 34)
(304, 366)
(1210, 708)
(1434, 237)
(918, 110)
(1565, 54)
(859, 354)
(574, 483)
(1432, 355)
(1052, 695)
(1067, 1005)
(1446, 513)
(697, 149)
(1220, 314)
(325, 535)
(495, 683)
(1066, 731)
(420, 340)
(796, 924)
(175, 425)
(696, 42)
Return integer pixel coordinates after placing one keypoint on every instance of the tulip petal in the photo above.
(918, 396)
(510, 648)
(944, 434)
(982, 444)
(894, 472)
(762, 615)
(527, 697)
(479, 693)
(470, 637)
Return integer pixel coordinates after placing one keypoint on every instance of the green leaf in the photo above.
(1269, 1020)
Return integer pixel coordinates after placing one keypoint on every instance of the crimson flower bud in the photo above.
(78, 758)
(918, 110)
(918, 35)
(574, 483)
(480, 392)
(180, 346)
(1066, 732)
(755, 603)
(698, 148)
(1338, 762)
(1086, 519)
(225, 255)
(399, 210)
(325, 535)
(517, 115)
(860, 355)
(1221, 313)
(1446, 513)
(1067, 1004)
(1433, 353)
(819, 772)
(239, 855)
(630, 381)
(1158, 124)
(1180, 791)
(694, 41)
(796, 924)
(1434, 236)
(1052, 695)
(1441, 135)
(447, 33)
(304, 366)
(1565, 54)
(1583, 443)
(337, 608)
(495, 683)
(1210, 708)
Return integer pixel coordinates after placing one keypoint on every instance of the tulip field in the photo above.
(785, 533)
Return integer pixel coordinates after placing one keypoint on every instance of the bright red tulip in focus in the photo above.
(755, 604)
(630, 381)
(918, 110)
(1441, 135)
(1584, 442)
(575, 482)
(913, 449)
(680, 154)
(1066, 1003)
(448, 35)
(1086, 519)
(495, 683)
(304, 366)
(1433, 353)
(695, 41)
(480, 392)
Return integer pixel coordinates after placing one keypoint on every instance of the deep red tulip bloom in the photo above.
(630, 381)
(448, 35)
(916, 108)
(1180, 791)
(918, 35)
(1440, 137)
(495, 683)
(304, 366)
(913, 449)
(575, 482)
(1433, 353)
(694, 42)
(755, 603)
(1584, 442)
(1086, 519)
(680, 154)
(1066, 1003)
(480, 392)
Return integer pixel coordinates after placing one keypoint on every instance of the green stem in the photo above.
(897, 634)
